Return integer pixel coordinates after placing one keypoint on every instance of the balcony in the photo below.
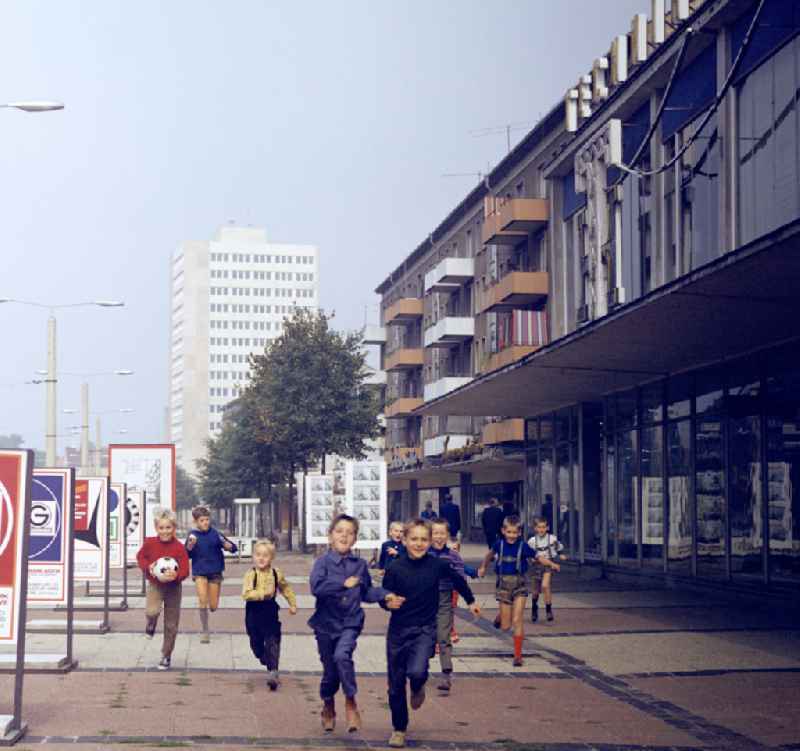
(402, 407)
(512, 219)
(443, 386)
(516, 289)
(504, 431)
(374, 335)
(404, 359)
(375, 378)
(449, 273)
(404, 310)
(436, 446)
(449, 331)
(403, 454)
(506, 357)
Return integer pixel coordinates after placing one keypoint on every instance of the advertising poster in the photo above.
(319, 508)
(365, 489)
(16, 470)
(91, 503)
(117, 494)
(135, 522)
(48, 549)
(148, 467)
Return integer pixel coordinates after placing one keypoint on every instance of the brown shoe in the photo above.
(328, 715)
(417, 698)
(353, 716)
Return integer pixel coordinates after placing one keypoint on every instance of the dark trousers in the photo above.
(407, 653)
(336, 654)
(491, 536)
(264, 630)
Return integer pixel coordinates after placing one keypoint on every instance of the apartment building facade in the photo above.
(633, 363)
(229, 297)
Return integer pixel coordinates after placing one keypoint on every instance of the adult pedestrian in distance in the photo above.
(429, 514)
(492, 521)
(449, 511)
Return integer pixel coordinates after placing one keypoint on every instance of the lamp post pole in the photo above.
(50, 438)
(85, 428)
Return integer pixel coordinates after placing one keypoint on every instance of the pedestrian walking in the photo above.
(204, 546)
(411, 636)
(260, 588)
(340, 582)
(492, 521)
(428, 512)
(452, 513)
(165, 563)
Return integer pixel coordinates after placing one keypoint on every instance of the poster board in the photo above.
(117, 498)
(90, 515)
(365, 489)
(135, 521)
(52, 492)
(319, 509)
(148, 467)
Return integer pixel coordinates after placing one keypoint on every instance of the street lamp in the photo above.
(50, 432)
(34, 106)
(98, 438)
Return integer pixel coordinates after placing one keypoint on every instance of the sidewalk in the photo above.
(618, 668)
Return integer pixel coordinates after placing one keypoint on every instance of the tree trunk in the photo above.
(304, 514)
(291, 502)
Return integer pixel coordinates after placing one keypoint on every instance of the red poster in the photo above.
(81, 505)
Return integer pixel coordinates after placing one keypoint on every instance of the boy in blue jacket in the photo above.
(204, 546)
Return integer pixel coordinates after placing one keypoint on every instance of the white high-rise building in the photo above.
(229, 297)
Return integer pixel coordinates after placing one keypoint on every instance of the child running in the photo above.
(393, 547)
(204, 546)
(260, 589)
(411, 637)
(513, 554)
(340, 581)
(168, 592)
(448, 597)
(547, 547)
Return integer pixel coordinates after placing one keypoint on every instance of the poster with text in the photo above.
(48, 547)
(16, 474)
(135, 522)
(148, 467)
(320, 508)
(365, 490)
(117, 495)
(91, 504)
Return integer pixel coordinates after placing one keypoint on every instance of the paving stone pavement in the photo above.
(621, 668)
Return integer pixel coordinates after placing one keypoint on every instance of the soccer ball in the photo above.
(162, 566)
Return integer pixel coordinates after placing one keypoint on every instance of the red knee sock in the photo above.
(518, 646)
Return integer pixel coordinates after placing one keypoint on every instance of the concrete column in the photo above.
(467, 507)
(413, 500)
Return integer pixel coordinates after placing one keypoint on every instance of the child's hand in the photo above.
(475, 609)
(392, 551)
(292, 610)
(170, 575)
(191, 542)
(481, 572)
(393, 601)
(555, 567)
(352, 581)
(227, 545)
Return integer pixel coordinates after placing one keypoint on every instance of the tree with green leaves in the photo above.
(185, 489)
(308, 393)
(11, 441)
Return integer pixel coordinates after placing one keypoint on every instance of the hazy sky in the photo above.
(326, 122)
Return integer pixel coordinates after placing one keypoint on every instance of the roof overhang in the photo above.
(746, 300)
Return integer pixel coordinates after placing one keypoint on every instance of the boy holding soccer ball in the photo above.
(164, 560)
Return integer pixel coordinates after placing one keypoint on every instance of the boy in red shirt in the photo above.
(169, 591)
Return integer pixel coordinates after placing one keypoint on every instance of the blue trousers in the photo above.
(407, 653)
(336, 654)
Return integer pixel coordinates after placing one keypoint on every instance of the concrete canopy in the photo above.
(746, 300)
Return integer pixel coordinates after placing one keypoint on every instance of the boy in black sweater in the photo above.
(411, 637)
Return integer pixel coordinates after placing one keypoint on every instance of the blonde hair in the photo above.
(268, 545)
(162, 513)
(418, 522)
(396, 525)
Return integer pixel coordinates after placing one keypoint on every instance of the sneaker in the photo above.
(205, 638)
(164, 664)
(273, 680)
(417, 698)
(517, 662)
(397, 739)
(534, 614)
(445, 683)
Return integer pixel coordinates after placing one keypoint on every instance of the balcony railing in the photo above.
(402, 407)
(405, 359)
(508, 221)
(375, 378)
(516, 289)
(506, 357)
(399, 455)
(504, 431)
(449, 331)
(374, 335)
(437, 445)
(449, 274)
(404, 310)
(443, 386)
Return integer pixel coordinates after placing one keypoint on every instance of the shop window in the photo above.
(679, 522)
(627, 492)
(653, 402)
(679, 396)
(710, 497)
(652, 508)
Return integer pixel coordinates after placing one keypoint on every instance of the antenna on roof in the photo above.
(497, 129)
